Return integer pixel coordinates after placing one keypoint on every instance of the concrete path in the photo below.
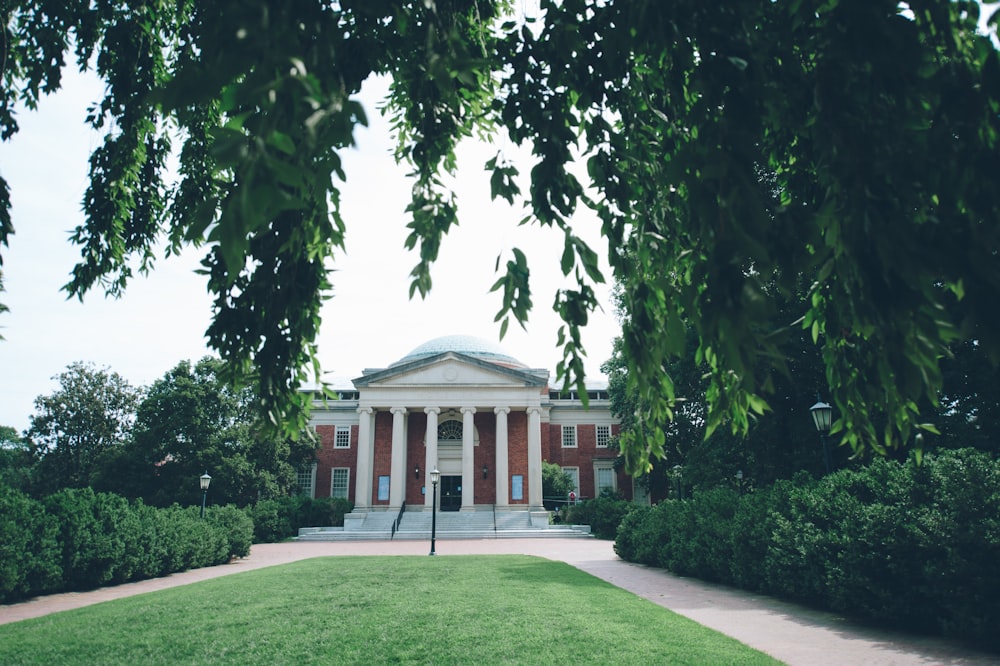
(790, 633)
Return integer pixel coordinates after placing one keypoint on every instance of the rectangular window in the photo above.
(306, 480)
(574, 473)
(605, 478)
(340, 482)
(569, 437)
(342, 440)
(603, 436)
(383, 488)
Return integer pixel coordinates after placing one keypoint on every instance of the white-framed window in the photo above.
(342, 438)
(305, 477)
(569, 436)
(574, 473)
(604, 477)
(603, 436)
(340, 482)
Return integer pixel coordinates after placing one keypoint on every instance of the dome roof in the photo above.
(463, 344)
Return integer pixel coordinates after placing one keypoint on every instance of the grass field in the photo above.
(505, 609)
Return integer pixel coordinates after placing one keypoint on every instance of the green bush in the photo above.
(30, 559)
(640, 534)
(236, 525)
(90, 551)
(906, 545)
(321, 512)
(280, 518)
(603, 514)
(272, 520)
(78, 539)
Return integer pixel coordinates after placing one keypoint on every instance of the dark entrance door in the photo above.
(451, 493)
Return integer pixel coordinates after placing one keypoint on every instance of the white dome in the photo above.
(463, 344)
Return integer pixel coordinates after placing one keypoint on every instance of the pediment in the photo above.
(451, 369)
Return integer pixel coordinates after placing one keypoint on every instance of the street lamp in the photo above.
(204, 480)
(678, 481)
(435, 477)
(822, 414)
(739, 480)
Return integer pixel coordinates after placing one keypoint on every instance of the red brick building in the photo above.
(483, 419)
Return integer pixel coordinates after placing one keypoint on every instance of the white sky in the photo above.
(370, 322)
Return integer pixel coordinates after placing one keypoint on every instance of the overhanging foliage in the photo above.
(727, 147)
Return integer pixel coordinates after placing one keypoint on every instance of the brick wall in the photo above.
(517, 452)
(328, 457)
(416, 455)
(383, 454)
(485, 490)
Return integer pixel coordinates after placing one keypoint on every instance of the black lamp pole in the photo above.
(204, 480)
(822, 414)
(435, 476)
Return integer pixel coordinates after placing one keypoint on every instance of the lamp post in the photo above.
(678, 472)
(822, 414)
(435, 477)
(204, 480)
(739, 481)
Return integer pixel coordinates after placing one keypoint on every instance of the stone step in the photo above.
(415, 525)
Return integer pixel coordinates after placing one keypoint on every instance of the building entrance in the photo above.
(451, 493)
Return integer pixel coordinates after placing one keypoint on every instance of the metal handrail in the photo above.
(399, 519)
(494, 520)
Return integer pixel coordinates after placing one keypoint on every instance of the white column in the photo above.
(397, 468)
(534, 458)
(431, 454)
(503, 468)
(468, 458)
(363, 480)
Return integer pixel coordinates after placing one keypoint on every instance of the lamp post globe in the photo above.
(822, 415)
(435, 477)
(203, 481)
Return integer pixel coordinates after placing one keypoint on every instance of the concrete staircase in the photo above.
(416, 525)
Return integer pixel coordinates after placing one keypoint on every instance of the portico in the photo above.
(457, 413)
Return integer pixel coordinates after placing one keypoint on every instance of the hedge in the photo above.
(898, 544)
(603, 514)
(280, 518)
(77, 539)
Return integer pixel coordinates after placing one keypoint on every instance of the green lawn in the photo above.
(508, 609)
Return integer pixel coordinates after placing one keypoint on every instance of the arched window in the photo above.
(450, 431)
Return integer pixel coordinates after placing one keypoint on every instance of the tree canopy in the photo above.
(78, 428)
(731, 150)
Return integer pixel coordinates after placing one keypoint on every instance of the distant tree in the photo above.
(556, 484)
(15, 460)
(191, 421)
(968, 414)
(75, 429)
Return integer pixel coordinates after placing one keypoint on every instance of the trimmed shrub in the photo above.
(30, 558)
(90, 551)
(77, 539)
(640, 534)
(904, 545)
(603, 514)
(322, 512)
(237, 527)
(271, 520)
(280, 518)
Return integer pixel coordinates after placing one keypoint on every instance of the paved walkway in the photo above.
(795, 635)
